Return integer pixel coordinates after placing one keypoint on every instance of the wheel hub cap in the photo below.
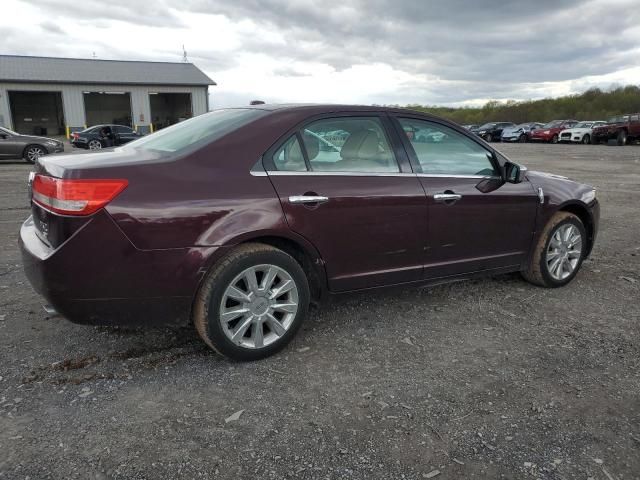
(564, 251)
(259, 306)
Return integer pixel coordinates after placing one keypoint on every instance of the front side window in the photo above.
(446, 151)
(348, 144)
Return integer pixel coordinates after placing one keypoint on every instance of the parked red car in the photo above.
(622, 128)
(551, 131)
(237, 219)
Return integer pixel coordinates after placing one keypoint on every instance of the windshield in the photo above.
(198, 130)
(583, 125)
(554, 124)
(618, 119)
(7, 131)
(487, 125)
(521, 126)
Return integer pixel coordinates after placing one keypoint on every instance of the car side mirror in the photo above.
(513, 173)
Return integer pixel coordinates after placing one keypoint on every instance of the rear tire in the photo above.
(540, 270)
(32, 152)
(621, 140)
(265, 324)
(94, 145)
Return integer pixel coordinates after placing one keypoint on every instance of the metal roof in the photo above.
(17, 68)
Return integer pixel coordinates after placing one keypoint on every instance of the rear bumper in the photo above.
(98, 277)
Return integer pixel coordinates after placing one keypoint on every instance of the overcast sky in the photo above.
(350, 51)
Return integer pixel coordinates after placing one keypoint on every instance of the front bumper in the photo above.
(99, 277)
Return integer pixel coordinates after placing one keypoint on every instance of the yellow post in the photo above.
(151, 128)
(67, 130)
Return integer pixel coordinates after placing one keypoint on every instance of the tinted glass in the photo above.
(289, 157)
(447, 152)
(120, 129)
(197, 131)
(349, 144)
(6, 131)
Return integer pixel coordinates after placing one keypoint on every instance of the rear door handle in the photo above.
(308, 199)
(446, 197)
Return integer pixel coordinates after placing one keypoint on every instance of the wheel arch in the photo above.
(298, 247)
(581, 211)
(29, 145)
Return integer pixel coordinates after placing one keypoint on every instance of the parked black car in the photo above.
(492, 131)
(15, 145)
(103, 136)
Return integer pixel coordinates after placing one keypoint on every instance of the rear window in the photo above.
(196, 131)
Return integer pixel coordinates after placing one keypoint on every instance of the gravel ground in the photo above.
(492, 378)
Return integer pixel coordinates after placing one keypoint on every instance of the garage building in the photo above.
(57, 96)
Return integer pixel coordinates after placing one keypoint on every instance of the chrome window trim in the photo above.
(283, 173)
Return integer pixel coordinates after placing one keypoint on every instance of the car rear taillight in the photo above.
(74, 197)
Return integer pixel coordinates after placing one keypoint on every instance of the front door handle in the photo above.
(447, 197)
(308, 199)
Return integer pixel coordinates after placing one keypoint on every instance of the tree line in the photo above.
(594, 104)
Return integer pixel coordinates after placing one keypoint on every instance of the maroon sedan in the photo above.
(550, 132)
(238, 219)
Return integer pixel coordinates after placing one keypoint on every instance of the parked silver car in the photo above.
(519, 133)
(29, 147)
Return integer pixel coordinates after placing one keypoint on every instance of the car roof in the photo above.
(318, 108)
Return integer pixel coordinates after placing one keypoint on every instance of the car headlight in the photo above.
(590, 196)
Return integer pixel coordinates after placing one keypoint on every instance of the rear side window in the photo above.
(441, 150)
(120, 129)
(198, 130)
(348, 144)
(289, 157)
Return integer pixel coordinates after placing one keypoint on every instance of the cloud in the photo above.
(357, 51)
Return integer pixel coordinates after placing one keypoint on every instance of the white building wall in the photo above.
(73, 100)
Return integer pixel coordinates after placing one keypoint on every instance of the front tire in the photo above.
(554, 139)
(252, 302)
(487, 138)
(621, 140)
(523, 138)
(559, 253)
(33, 152)
(586, 140)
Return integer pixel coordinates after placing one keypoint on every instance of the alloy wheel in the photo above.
(564, 251)
(33, 153)
(95, 145)
(259, 306)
